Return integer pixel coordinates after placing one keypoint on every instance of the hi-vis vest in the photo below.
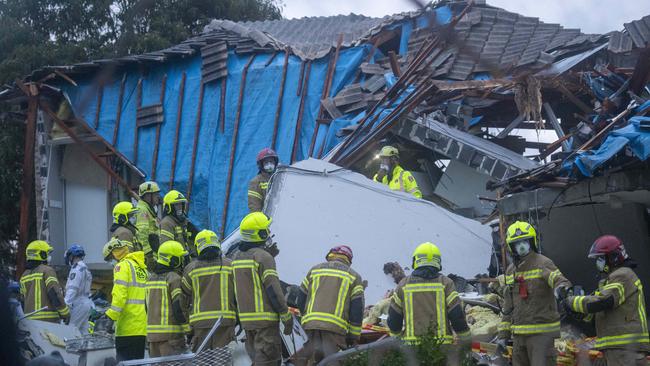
(129, 293)
(163, 290)
(34, 285)
(209, 287)
(402, 181)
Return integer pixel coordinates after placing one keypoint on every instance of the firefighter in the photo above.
(40, 287)
(530, 313)
(209, 287)
(618, 305)
(146, 221)
(426, 301)
(333, 313)
(174, 224)
(393, 175)
(267, 163)
(260, 301)
(123, 227)
(77, 288)
(127, 309)
(166, 322)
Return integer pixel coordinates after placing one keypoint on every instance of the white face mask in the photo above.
(522, 248)
(269, 167)
(384, 167)
(132, 220)
(49, 258)
(601, 263)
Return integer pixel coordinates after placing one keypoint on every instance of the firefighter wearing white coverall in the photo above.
(77, 288)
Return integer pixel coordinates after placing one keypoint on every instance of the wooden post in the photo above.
(222, 105)
(27, 184)
(154, 160)
(116, 129)
(100, 96)
(301, 109)
(278, 108)
(136, 129)
(179, 114)
(197, 130)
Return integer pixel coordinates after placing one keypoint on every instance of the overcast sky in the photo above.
(592, 16)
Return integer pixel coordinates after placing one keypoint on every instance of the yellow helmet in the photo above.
(171, 198)
(122, 211)
(113, 244)
(206, 239)
(172, 254)
(389, 152)
(521, 230)
(427, 254)
(254, 227)
(38, 250)
(148, 187)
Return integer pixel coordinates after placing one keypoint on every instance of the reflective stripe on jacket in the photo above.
(146, 222)
(34, 286)
(209, 289)
(128, 296)
(162, 291)
(255, 278)
(402, 180)
(624, 325)
(536, 311)
(257, 188)
(329, 288)
(172, 229)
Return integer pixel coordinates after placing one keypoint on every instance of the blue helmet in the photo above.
(74, 251)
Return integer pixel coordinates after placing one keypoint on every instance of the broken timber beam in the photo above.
(556, 126)
(506, 131)
(575, 100)
(154, 160)
(179, 114)
(278, 108)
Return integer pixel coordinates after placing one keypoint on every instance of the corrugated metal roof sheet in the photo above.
(639, 31)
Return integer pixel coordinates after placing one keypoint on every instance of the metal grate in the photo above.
(217, 356)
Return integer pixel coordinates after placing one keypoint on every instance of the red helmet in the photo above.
(611, 247)
(342, 249)
(266, 153)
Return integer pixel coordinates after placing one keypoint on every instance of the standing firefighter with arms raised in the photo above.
(530, 312)
(128, 299)
(40, 287)
(267, 163)
(174, 225)
(618, 305)
(260, 301)
(427, 301)
(146, 221)
(331, 301)
(209, 288)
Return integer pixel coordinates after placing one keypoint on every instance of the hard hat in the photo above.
(38, 250)
(611, 247)
(266, 153)
(171, 198)
(427, 254)
(73, 251)
(342, 250)
(389, 152)
(206, 239)
(171, 254)
(521, 230)
(113, 244)
(122, 211)
(148, 187)
(255, 227)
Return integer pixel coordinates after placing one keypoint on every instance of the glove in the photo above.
(351, 340)
(288, 326)
(66, 319)
(561, 293)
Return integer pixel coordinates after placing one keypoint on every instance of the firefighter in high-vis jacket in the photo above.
(331, 303)
(427, 301)
(260, 302)
(166, 322)
(530, 313)
(128, 299)
(40, 287)
(618, 305)
(209, 289)
(174, 225)
(146, 220)
(393, 175)
(267, 163)
(123, 226)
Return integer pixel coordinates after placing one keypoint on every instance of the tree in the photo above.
(36, 33)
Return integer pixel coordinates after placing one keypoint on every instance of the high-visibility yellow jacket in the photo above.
(334, 299)
(146, 221)
(40, 288)
(165, 320)
(619, 308)
(402, 180)
(257, 188)
(128, 296)
(529, 297)
(173, 229)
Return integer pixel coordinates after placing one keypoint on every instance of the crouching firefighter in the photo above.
(208, 286)
(618, 305)
(40, 287)
(166, 323)
(331, 302)
(530, 312)
(260, 302)
(427, 301)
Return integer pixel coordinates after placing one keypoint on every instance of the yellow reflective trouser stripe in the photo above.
(441, 315)
(622, 339)
(325, 317)
(251, 317)
(536, 328)
(254, 194)
(552, 277)
(167, 328)
(204, 315)
(618, 287)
